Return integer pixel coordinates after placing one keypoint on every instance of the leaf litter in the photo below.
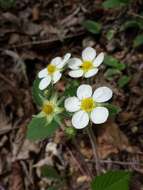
(30, 35)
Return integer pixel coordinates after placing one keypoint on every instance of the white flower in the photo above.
(87, 66)
(88, 106)
(52, 73)
(50, 109)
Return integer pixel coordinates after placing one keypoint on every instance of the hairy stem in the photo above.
(94, 148)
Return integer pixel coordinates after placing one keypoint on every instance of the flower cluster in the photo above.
(86, 106)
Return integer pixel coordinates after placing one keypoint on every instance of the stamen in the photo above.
(48, 108)
(86, 66)
(87, 104)
(51, 68)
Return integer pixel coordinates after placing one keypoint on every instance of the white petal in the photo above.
(76, 73)
(72, 104)
(64, 61)
(56, 61)
(56, 76)
(80, 120)
(66, 57)
(99, 115)
(44, 83)
(102, 94)
(84, 91)
(88, 54)
(74, 63)
(61, 65)
(91, 73)
(43, 73)
(98, 60)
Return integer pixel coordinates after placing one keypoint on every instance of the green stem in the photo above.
(94, 148)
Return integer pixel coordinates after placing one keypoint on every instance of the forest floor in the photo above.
(33, 32)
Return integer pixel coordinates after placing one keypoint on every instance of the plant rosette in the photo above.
(88, 106)
(87, 66)
(53, 72)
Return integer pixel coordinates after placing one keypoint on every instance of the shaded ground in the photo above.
(31, 33)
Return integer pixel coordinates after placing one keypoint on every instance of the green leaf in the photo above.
(113, 62)
(134, 23)
(112, 180)
(123, 81)
(50, 172)
(138, 41)
(109, 4)
(92, 26)
(38, 95)
(110, 34)
(113, 109)
(71, 88)
(110, 73)
(7, 4)
(38, 128)
(70, 132)
(52, 188)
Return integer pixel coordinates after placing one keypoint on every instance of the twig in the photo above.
(135, 15)
(39, 42)
(117, 162)
(78, 164)
(82, 158)
(7, 80)
(84, 171)
(94, 148)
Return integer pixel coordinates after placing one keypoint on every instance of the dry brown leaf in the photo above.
(112, 140)
(127, 116)
(43, 162)
(5, 126)
(86, 151)
(9, 17)
(51, 148)
(31, 28)
(14, 38)
(22, 146)
(3, 140)
(50, 151)
(83, 178)
(27, 147)
(16, 182)
(35, 13)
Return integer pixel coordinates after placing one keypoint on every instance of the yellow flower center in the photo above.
(87, 104)
(48, 108)
(86, 66)
(51, 69)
